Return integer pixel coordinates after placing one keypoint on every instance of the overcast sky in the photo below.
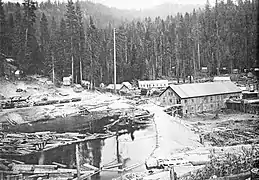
(135, 4)
(142, 4)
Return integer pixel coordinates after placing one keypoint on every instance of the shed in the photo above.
(85, 84)
(67, 81)
(111, 86)
(204, 69)
(119, 87)
(127, 84)
(199, 97)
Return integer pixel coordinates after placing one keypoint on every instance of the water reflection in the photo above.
(133, 148)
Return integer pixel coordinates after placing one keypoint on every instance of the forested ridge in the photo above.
(64, 37)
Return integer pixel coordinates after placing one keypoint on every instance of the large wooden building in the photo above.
(199, 97)
(152, 84)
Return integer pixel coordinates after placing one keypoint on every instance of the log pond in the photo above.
(133, 149)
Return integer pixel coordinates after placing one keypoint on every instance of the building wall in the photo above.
(206, 103)
(153, 84)
(124, 89)
(197, 104)
(169, 98)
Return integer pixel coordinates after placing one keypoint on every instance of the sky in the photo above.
(144, 4)
(136, 4)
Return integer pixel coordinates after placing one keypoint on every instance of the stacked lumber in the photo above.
(20, 170)
(27, 143)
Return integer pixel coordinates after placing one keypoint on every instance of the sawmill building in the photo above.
(199, 97)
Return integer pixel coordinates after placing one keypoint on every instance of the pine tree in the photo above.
(71, 24)
(3, 25)
(45, 44)
(29, 18)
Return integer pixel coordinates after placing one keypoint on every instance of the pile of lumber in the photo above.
(27, 143)
(20, 170)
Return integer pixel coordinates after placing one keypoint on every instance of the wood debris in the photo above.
(27, 143)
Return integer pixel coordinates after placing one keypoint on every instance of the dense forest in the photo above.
(64, 37)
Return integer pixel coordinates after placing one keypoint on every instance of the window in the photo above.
(211, 99)
(170, 100)
(211, 105)
(192, 100)
(185, 100)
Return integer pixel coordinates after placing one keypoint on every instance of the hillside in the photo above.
(103, 15)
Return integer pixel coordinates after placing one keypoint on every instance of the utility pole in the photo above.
(177, 52)
(217, 28)
(72, 68)
(53, 70)
(114, 60)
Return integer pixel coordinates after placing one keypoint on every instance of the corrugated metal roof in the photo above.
(204, 89)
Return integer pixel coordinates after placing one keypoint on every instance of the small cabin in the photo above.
(119, 87)
(67, 81)
(127, 84)
(204, 69)
(85, 84)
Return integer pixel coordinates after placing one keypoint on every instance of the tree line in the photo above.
(69, 42)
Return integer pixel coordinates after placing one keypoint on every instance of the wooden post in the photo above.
(172, 173)
(1, 175)
(77, 161)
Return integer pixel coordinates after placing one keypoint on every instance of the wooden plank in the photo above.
(90, 166)
(18, 162)
(59, 165)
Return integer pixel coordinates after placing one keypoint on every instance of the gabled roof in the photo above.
(127, 84)
(204, 89)
(118, 86)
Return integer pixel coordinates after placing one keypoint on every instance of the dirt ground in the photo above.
(37, 88)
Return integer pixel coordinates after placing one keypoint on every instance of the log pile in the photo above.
(12, 169)
(27, 143)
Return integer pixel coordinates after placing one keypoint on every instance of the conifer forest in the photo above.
(79, 35)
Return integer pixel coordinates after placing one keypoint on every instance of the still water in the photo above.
(102, 152)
